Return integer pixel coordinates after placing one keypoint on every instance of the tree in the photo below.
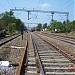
(53, 25)
(72, 26)
(39, 27)
(56, 25)
(18, 24)
(6, 17)
(10, 28)
(44, 25)
(12, 24)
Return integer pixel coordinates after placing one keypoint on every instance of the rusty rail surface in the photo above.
(60, 49)
(39, 60)
(21, 59)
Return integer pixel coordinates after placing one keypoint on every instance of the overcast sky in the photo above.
(50, 5)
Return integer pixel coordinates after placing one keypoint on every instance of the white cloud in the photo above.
(45, 5)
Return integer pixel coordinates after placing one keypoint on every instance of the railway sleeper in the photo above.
(58, 69)
(60, 73)
(32, 68)
(59, 65)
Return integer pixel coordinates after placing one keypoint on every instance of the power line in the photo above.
(61, 5)
(17, 14)
(12, 3)
(62, 17)
(40, 3)
(3, 6)
(67, 6)
(9, 3)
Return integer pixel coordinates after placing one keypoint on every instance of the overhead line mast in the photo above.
(41, 11)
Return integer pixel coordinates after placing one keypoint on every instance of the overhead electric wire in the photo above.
(61, 5)
(40, 3)
(12, 3)
(3, 6)
(17, 14)
(9, 3)
(67, 6)
(64, 5)
(62, 17)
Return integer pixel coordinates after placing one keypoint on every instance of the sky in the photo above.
(45, 5)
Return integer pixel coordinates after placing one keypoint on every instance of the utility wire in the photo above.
(40, 3)
(12, 3)
(17, 14)
(67, 6)
(62, 4)
(9, 3)
(3, 6)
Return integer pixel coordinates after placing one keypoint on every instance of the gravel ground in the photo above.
(64, 45)
(12, 52)
(71, 34)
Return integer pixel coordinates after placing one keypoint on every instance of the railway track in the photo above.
(39, 57)
(5, 40)
(31, 63)
(53, 62)
(12, 52)
(42, 58)
(70, 40)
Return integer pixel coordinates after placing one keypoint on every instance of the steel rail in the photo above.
(66, 40)
(60, 49)
(1, 43)
(68, 52)
(21, 59)
(40, 64)
(67, 37)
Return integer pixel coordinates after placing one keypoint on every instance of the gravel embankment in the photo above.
(72, 34)
(64, 45)
(12, 52)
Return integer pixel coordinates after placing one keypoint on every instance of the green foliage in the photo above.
(12, 24)
(71, 26)
(66, 26)
(59, 26)
(39, 27)
(44, 25)
(10, 28)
